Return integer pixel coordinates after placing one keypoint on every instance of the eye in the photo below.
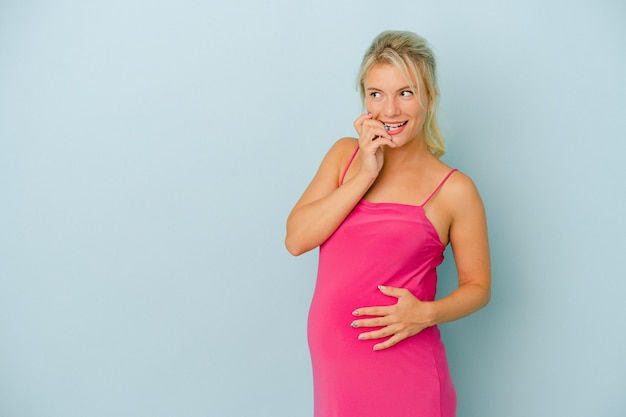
(375, 95)
(406, 93)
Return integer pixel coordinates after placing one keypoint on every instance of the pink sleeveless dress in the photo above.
(389, 244)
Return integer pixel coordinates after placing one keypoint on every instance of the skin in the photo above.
(397, 168)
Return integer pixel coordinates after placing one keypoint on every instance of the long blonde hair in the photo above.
(414, 58)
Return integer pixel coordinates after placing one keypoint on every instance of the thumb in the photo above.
(392, 291)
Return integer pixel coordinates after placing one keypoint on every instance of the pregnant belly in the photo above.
(330, 316)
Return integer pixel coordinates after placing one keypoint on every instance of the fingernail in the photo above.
(369, 114)
(355, 313)
(361, 336)
(353, 324)
(381, 287)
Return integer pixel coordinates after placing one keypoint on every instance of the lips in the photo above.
(394, 128)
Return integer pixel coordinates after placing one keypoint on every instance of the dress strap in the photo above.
(439, 186)
(348, 166)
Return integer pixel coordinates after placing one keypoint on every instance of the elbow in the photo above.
(293, 247)
(486, 297)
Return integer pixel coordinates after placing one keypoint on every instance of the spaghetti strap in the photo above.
(439, 186)
(348, 166)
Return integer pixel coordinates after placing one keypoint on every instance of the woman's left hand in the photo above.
(406, 318)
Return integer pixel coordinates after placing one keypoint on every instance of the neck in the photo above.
(413, 152)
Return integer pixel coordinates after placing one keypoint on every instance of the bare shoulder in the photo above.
(460, 192)
(460, 182)
(339, 155)
(344, 148)
(328, 175)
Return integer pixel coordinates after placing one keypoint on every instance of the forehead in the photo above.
(387, 76)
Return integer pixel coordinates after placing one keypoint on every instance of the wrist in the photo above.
(432, 313)
(366, 178)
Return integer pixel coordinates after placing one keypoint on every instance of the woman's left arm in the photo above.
(469, 242)
(470, 246)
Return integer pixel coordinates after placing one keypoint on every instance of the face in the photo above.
(390, 99)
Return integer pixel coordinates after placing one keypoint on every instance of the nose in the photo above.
(391, 107)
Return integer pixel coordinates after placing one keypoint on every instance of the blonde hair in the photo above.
(414, 58)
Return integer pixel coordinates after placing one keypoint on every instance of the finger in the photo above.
(381, 127)
(388, 140)
(364, 122)
(376, 128)
(382, 141)
(392, 341)
(377, 334)
(358, 123)
(377, 322)
(371, 140)
(393, 291)
(374, 311)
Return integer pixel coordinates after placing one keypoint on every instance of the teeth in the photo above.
(394, 126)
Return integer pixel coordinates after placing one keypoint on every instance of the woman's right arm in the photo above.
(324, 204)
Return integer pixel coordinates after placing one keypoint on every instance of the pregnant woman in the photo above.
(382, 208)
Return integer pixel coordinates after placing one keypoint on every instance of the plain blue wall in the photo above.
(151, 151)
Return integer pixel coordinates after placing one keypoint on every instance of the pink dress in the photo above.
(389, 244)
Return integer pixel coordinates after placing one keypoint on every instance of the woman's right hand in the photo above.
(372, 137)
(325, 204)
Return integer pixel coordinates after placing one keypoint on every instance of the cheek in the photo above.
(372, 106)
(418, 111)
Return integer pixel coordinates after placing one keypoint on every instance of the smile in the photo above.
(393, 127)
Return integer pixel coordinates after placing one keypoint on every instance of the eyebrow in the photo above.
(406, 87)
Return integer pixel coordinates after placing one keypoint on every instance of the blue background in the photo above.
(150, 152)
